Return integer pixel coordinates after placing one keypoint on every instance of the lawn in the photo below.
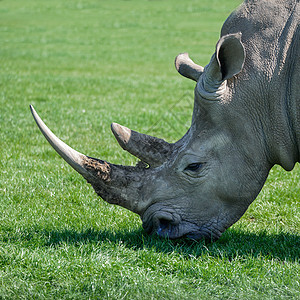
(83, 65)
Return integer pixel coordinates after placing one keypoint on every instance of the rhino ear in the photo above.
(227, 61)
(230, 55)
(186, 67)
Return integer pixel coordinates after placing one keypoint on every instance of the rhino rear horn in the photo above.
(149, 149)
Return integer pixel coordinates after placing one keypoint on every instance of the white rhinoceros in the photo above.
(246, 118)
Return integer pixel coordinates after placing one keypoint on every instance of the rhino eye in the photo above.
(193, 167)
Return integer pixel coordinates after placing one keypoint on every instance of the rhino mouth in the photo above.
(170, 225)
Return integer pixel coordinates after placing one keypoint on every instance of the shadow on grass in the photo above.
(233, 243)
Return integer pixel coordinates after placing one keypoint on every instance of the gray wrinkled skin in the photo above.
(239, 137)
(246, 118)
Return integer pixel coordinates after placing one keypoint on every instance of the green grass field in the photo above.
(83, 65)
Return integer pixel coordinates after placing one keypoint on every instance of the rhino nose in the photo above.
(164, 228)
(165, 223)
(161, 220)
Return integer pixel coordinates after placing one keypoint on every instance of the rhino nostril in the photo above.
(164, 227)
(163, 223)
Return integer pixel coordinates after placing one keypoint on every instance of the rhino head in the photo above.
(200, 185)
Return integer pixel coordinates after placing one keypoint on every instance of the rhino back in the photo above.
(266, 25)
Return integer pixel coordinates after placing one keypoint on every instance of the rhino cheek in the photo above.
(241, 181)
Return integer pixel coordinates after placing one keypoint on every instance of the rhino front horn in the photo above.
(114, 184)
(71, 156)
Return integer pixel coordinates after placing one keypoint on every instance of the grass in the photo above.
(84, 64)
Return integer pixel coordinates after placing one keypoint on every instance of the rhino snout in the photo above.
(160, 221)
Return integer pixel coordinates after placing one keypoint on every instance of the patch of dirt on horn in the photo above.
(98, 168)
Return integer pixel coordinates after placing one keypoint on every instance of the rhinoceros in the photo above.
(246, 119)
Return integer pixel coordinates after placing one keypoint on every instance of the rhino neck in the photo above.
(285, 139)
(286, 95)
(293, 91)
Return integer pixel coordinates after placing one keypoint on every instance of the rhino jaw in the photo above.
(168, 223)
